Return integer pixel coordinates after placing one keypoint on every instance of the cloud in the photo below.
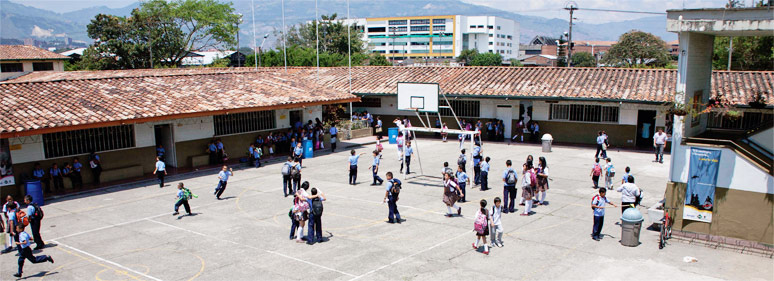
(39, 32)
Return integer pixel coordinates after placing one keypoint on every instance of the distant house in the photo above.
(538, 60)
(674, 47)
(17, 60)
(204, 58)
(74, 54)
(543, 40)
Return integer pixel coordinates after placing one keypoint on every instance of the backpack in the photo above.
(597, 170)
(611, 171)
(461, 161)
(21, 217)
(594, 198)
(449, 171)
(286, 169)
(188, 194)
(638, 199)
(317, 207)
(532, 178)
(295, 172)
(38, 215)
(480, 224)
(510, 178)
(395, 190)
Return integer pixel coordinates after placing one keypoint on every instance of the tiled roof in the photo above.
(50, 106)
(23, 52)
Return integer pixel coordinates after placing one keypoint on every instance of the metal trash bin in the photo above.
(631, 224)
(547, 140)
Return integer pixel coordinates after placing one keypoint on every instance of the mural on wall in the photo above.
(6, 170)
(702, 178)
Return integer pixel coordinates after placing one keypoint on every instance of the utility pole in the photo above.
(730, 51)
(571, 6)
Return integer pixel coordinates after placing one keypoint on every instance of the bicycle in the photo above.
(666, 228)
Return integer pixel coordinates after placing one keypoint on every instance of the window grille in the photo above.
(463, 108)
(42, 66)
(82, 141)
(420, 28)
(439, 21)
(397, 22)
(425, 21)
(749, 120)
(584, 113)
(244, 122)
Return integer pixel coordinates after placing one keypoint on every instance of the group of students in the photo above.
(534, 185)
(55, 175)
(631, 194)
(16, 219)
(307, 211)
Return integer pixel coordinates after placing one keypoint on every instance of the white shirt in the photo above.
(660, 138)
(496, 214)
(629, 192)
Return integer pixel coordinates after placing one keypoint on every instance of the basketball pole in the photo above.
(452, 110)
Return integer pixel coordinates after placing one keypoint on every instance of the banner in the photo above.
(702, 177)
(6, 172)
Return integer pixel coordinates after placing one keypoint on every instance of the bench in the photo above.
(121, 173)
(200, 160)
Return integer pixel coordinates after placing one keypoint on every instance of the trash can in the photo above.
(393, 134)
(547, 140)
(631, 223)
(34, 188)
(308, 149)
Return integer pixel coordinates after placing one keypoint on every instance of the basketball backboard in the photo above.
(422, 97)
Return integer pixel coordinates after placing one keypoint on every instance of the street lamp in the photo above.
(259, 48)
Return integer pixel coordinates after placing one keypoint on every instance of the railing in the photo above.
(764, 164)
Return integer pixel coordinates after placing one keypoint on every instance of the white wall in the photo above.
(312, 112)
(734, 171)
(144, 135)
(29, 149)
(193, 128)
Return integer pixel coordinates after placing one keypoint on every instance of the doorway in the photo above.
(166, 138)
(505, 113)
(295, 117)
(646, 127)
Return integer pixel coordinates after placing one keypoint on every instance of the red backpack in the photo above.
(21, 217)
(597, 170)
(532, 178)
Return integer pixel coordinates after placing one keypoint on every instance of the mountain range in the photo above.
(19, 21)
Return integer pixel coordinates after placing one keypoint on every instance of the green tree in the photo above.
(487, 59)
(377, 59)
(332, 35)
(166, 30)
(516, 62)
(466, 56)
(749, 53)
(636, 49)
(583, 59)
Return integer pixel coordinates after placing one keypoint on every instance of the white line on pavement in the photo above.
(106, 261)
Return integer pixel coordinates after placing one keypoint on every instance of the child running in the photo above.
(375, 168)
(223, 180)
(183, 195)
(481, 226)
(25, 252)
(450, 196)
(497, 225)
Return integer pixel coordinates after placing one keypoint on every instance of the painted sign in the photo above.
(702, 178)
(6, 166)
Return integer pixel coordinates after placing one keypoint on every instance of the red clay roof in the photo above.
(23, 52)
(40, 107)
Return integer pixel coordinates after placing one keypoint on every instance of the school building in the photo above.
(123, 115)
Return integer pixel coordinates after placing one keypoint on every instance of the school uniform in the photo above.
(599, 215)
(476, 166)
(298, 154)
(297, 181)
(76, 175)
(160, 152)
(222, 183)
(608, 179)
(182, 199)
(353, 168)
(161, 168)
(374, 170)
(462, 161)
(56, 177)
(408, 151)
(287, 187)
(484, 180)
(315, 224)
(497, 225)
(334, 134)
(26, 253)
(462, 179)
(509, 192)
(40, 175)
(213, 150)
(219, 145)
(35, 227)
(392, 203)
(257, 157)
(600, 141)
(96, 168)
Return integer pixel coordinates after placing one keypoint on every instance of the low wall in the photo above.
(586, 133)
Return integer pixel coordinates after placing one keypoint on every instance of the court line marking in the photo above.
(467, 232)
(254, 248)
(107, 261)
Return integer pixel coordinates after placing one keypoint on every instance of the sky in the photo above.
(542, 8)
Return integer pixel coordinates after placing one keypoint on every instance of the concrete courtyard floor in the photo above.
(128, 232)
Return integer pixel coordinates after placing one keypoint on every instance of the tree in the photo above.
(749, 53)
(516, 62)
(487, 59)
(377, 59)
(637, 49)
(466, 56)
(167, 31)
(332, 35)
(583, 59)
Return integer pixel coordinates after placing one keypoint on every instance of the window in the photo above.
(236, 123)
(398, 43)
(378, 51)
(420, 28)
(463, 108)
(510, 37)
(425, 21)
(420, 43)
(398, 28)
(377, 29)
(397, 22)
(11, 67)
(480, 26)
(439, 28)
(368, 102)
(42, 66)
(472, 26)
(491, 35)
(490, 43)
(490, 27)
(376, 44)
(82, 141)
(439, 21)
(584, 113)
(749, 120)
(498, 27)
(443, 42)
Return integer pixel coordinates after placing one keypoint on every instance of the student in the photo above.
(212, 150)
(287, 187)
(301, 210)
(183, 195)
(223, 176)
(9, 211)
(34, 222)
(481, 226)
(606, 144)
(295, 174)
(56, 177)
(76, 178)
(160, 171)
(629, 194)
(509, 187)
(598, 205)
(600, 144)
(67, 172)
(400, 142)
(462, 181)
(462, 160)
(25, 252)
(378, 128)
(485, 174)
(221, 151)
(334, 133)
(298, 153)
(353, 166)
(519, 131)
(257, 153)
(160, 152)
(96, 167)
(450, 195)
(542, 180)
(596, 171)
(659, 141)
(379, 146)
(315, 223)
(40, 175)
(375, 169)
(409, 150)
(476, 163)
(526, 189)
(391, 197)
(625, 177)
(609, 173)
(497, 225)
(446, 169)
(444, 131)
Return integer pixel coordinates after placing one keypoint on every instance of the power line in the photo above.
(621, 11)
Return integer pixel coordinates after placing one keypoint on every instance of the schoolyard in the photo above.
(128, 232)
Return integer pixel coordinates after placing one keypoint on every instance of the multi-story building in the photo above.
(400, 38)
(17, 60)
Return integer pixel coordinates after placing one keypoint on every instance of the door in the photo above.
(295, 116)
(505, 113)
(646, 127)
(165, 137)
